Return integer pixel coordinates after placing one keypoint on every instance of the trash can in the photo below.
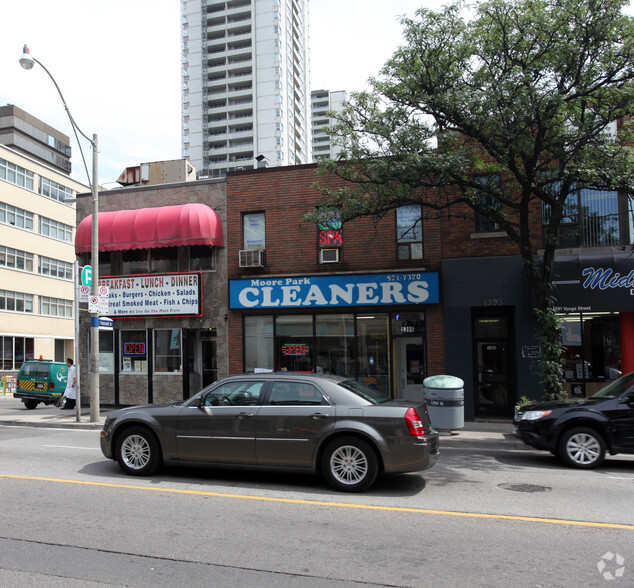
(444, 396)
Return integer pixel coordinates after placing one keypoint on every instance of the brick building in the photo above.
(361, 301)
(162, 258)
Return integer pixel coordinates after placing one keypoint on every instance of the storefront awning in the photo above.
(148, 228)
(594, 282)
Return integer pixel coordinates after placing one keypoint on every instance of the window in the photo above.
(254, 230)
(56, 230)
(335, 344)
(16, 259)
(133, 351)
(167, 350)
(135, 261)
(56, 307)
(245, 393)
(484, 222)
(295, 394)
(16, 175)
(294, 343)
(53, 190)
(55, 268)
(258, 343)
(164, 260)
(14, 351)
(16, 217)
(202, 258)
(16, 301)
(409, 232)
(330, 229)
(591, 219)
(106, 352)
(592, 347)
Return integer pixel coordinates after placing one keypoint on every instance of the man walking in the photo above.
(70, 394)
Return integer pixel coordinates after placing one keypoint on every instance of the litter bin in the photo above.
(444, 396)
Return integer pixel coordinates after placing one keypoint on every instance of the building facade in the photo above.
(162, 261)
(37, 228)
(35, 139)
(245, 84)
(322, 102)
(361, 300)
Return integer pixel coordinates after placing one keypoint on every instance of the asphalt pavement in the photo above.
(476, 435)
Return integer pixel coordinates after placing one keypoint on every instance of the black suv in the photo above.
(580, 432)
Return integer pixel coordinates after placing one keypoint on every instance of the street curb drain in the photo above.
(525, 487)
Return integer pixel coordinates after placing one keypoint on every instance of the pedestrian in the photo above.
(70, 394)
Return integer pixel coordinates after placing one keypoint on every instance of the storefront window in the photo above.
(135, 261)
(408, 323)
(133, 352)
(167, 350)
(258, 343)
(374, 352)
(335, 344)
(592, 347)
(164, 260)
(201, 258)
(293, 342)
(106, 352)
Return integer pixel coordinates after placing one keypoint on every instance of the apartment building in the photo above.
(37, 226)
(245, 84)
(322, 102)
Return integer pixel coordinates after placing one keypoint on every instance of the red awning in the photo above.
(148, 228)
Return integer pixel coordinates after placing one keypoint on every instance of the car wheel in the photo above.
(30, 403)
(349, 464)
(138, 452)
(582, 447)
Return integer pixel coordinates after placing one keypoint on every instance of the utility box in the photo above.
(444, 396)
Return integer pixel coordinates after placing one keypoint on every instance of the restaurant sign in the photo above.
(154, 295)
(335, 291)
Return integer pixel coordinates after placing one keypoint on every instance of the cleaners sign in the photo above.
(335, 291)
(154, 295)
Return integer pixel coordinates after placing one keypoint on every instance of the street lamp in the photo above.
(27, 61)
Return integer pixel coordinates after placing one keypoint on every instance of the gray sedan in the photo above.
(283, 421)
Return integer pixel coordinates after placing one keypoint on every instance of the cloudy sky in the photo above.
(117, 64)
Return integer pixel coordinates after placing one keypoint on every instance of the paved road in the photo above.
(482, 517)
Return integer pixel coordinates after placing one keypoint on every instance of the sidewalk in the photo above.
(474, 435)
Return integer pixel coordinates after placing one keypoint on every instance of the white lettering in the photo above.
(418, 291)
(244, 297)
(366, 293)
(289, 297)
(392, 292)
(315, 295)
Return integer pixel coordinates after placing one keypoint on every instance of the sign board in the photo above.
(86, 275)
(154, 295)
(84, 293)
(104, 305)
(336, 291)
(93, 304)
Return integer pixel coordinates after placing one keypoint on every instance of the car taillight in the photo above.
(51, 385)
(414, 423)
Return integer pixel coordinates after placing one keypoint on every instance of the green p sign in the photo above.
(86, 275)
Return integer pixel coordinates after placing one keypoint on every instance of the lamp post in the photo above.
(27, 61)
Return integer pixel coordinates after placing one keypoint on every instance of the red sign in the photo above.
(298, 349)
(330, 237)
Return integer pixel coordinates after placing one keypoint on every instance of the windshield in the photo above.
(617, 387)
(366, 393)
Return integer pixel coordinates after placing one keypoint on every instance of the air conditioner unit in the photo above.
(251, 258)
(329, 255)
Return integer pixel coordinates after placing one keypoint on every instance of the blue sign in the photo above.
(335, 291)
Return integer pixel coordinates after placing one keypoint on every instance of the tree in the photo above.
(523, 91)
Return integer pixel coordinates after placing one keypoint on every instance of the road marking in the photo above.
(328, 503)
(73, 447)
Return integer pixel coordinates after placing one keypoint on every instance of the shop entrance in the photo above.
(208, 361)
(410, 368)
(493, 363)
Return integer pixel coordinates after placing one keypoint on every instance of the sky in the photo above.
(117, 64)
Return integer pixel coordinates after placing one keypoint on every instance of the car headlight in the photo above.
(533, 415)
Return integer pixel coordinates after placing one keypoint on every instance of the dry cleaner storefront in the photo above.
(372, 327)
